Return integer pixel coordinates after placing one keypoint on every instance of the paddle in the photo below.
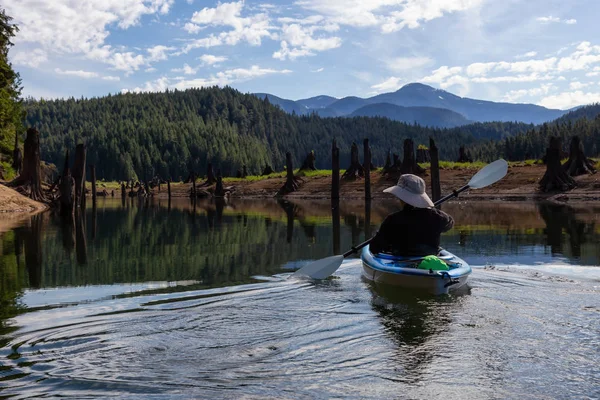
(323, 268)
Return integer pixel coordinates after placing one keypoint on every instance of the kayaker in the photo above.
(414, 230)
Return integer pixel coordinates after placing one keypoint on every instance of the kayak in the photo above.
(404, 272)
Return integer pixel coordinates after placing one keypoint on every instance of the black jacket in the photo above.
(412, 232)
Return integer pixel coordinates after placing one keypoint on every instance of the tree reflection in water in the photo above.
(560, 218)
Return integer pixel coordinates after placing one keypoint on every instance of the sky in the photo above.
(544, 52)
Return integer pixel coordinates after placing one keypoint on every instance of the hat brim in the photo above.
(415, 200)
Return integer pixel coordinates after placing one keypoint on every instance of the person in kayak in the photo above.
(414, 230)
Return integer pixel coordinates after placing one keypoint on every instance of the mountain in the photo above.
(589, 112)
(420, 95)
(288, 106)
(424, 116)
(317, 102)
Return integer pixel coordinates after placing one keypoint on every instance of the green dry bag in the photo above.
(433, 263)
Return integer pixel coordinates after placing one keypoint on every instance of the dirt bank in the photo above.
(521, 183)
(15, 208)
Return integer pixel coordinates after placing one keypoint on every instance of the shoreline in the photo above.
(520, 184)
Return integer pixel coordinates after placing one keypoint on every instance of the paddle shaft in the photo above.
(454, 193)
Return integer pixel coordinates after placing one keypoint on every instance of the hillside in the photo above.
(136, 136)
(419, 95)
(425, 116)
(172, 133)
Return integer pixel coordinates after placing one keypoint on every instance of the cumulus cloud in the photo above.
(221, 78)
(186, 69)
(566, 100)
(514, 95)
(299, 41)
(392, 83)
(388, 15)
(81, 27)
(31, 59)
(251, 29)
(209, 59)
(78, 73)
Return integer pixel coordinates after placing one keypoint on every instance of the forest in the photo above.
(170, 134)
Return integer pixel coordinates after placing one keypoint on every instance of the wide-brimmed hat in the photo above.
(411, 190)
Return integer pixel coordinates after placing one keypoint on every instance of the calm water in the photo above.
(149, 300)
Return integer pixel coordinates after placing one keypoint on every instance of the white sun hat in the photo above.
(411, 190)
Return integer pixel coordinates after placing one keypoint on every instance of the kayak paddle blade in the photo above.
(320, 269)
(489, 174)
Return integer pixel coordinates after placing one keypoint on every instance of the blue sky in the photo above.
(545, 52)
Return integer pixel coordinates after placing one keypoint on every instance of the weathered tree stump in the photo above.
(93, 178)
(409, 163)
(388, 163)
(423, 155)
(335, 171)
(66, 190)
(555, 178)
(309, 162)
(219, 191)
(268, 170)
(17, 156)
(210, 176)
(123, 191)
(169, 188)
(367, 169)
(291, 182)
(355, 170)
(436, 192)
(79, 175)
(578, 163)
(193, 190)
(463, 155)
(29, 182)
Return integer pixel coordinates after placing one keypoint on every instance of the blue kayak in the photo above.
(405, 272)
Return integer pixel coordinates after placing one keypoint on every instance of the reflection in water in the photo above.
(32, 240)
(561, 218)
(415, 322)
(335, 224)
(80, 234)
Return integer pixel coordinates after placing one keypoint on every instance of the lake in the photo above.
(151, 299)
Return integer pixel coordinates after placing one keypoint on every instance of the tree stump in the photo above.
(17, 156)
(219, 192)
(423, 155)
(409, 163)
(463, 155)
(355, 170)
(66, 190)
(210, 176)
(335, 171)
(291, 182)
(244, 172)
(93, 178)
(79, 174)
(578, 163)
(367, 169)
(436, 192)
(388, 163)
(555, 178)
(309, 162)
(29, 182)
(268, 170)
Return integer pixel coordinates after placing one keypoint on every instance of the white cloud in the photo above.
(79, 73)
(31, 59)
(402, 64)
(158, 53)
(514, 95)
(186, 70)
(550, 19)
(191, 28)
(251, 29)
(298, 41)
(318, 70)
(567, 100)
(209, 59)
(529, 54)
(81, 27)
(221, 78)
(576, 85)
(111, 78)
(151, 69)
(392, 83)
(388, 15)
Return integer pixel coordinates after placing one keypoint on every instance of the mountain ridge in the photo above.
(421, 95)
